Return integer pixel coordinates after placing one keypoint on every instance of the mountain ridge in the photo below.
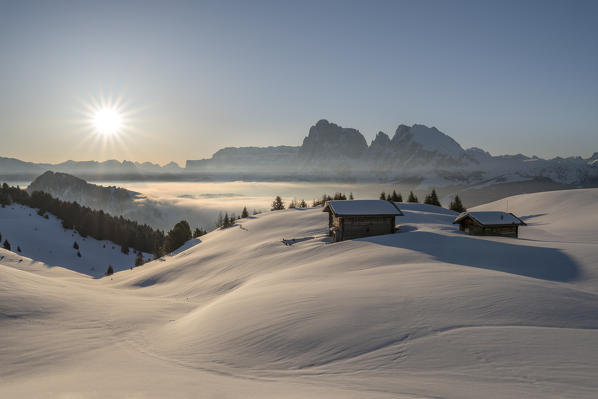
(332, 152)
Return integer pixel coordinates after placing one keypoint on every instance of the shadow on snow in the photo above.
(530, 261)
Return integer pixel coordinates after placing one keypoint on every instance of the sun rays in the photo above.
(107, 124)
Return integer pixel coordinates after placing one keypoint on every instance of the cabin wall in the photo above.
(506, 231)
(365, 226)
(475, 229)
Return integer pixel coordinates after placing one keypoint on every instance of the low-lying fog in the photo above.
(201, 202)
(162, 204)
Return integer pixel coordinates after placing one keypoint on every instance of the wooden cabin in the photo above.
(360, 218)
(489, 223)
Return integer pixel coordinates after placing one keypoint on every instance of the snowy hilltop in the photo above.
(425, 312)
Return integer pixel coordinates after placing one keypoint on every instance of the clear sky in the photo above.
(196, 76)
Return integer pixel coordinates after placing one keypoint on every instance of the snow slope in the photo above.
(426, 312)
(45, 240)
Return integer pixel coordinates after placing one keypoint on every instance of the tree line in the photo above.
(100, 225)
(430, 199)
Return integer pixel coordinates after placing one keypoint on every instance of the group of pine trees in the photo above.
(100, 225)
(297, 204)
(227, 220)
(398, 197)
(278, 204)
(394, 197)
(430, 199)
(338, 196)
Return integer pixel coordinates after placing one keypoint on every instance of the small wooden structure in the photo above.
(360, 218)
(489, 223)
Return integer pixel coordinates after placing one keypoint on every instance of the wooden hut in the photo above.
(489, 223)
(360, 218)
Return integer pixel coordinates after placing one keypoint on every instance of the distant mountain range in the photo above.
(414, 152)
(330, 152)
(12, 168)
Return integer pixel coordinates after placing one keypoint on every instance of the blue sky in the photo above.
(196, 76)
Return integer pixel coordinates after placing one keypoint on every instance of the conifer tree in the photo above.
(198, 232)
(351, 196)
(6, 245)
(244, 213)
(292, 204)
(412, 197)
(139, 259)
(158, 252)
(388, 197)
(396, 197)
(382, 195)
(432, 199)
(180, 233)
(277, 204)
(456, 205)
(302, 204)
(225, 221)
(18, 248)
(110, 270)
(75, 245)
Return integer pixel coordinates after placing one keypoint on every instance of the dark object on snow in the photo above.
(110, 271)
(18, 248)
(78, 254)
(360, 218)
(75, 245)
(489, 223)
(277, 204)
(6, 245)
(138, 260)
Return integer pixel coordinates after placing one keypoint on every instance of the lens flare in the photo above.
(107, 121)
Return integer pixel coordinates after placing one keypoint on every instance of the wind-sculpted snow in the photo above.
(425, 312)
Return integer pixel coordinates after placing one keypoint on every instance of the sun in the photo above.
(107, 121)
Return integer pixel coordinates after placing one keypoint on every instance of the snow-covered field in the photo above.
(424, 313)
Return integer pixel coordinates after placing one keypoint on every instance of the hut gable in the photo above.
(360, 218)
(489, 223)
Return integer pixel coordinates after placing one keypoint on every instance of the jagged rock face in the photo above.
(328, 140)
(381, 143)
(420, 138)
(331, 151)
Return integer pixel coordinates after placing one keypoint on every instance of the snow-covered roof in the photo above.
(362, 207)
(491, 218)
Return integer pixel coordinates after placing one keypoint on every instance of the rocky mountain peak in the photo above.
(331, 140)
(428, 139)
